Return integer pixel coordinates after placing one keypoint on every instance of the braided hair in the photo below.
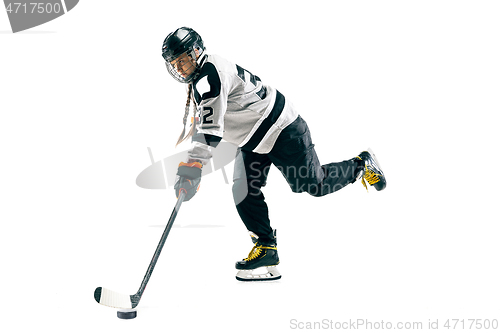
(184, 120)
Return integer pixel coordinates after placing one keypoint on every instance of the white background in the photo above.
(83, 96)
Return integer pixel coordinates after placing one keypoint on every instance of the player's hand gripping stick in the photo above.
(188, 180)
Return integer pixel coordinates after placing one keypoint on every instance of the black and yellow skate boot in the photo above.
(261, 255)
(372, 172)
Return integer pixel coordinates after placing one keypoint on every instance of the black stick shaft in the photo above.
(139, 293)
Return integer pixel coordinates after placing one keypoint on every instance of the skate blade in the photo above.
(247, 275)
(380, 168)
(375, 158)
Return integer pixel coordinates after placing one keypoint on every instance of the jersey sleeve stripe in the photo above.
(213, 79)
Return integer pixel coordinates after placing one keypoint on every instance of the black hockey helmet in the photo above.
(182, 41)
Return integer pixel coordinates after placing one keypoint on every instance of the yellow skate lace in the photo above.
(256, 251)
(371, 177)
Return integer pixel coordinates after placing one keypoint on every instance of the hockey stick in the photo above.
(117, 300)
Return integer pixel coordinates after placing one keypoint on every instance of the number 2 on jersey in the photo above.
(208, 114)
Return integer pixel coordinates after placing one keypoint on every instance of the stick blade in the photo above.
(113, 299)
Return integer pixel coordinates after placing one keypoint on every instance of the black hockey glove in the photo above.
(188, 179)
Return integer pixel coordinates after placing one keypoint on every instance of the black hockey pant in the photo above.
(294, 155)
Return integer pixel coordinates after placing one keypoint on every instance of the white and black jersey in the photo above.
(234, 105)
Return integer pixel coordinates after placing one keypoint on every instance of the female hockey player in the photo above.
(233, 104)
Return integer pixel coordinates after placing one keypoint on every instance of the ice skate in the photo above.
(262, 255)
(372, 172)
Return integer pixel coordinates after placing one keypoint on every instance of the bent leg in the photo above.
(337, 176)
(294, 155)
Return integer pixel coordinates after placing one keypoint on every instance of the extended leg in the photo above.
(294, 155)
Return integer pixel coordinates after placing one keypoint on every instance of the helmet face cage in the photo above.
(180, 55)
(183, 68)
